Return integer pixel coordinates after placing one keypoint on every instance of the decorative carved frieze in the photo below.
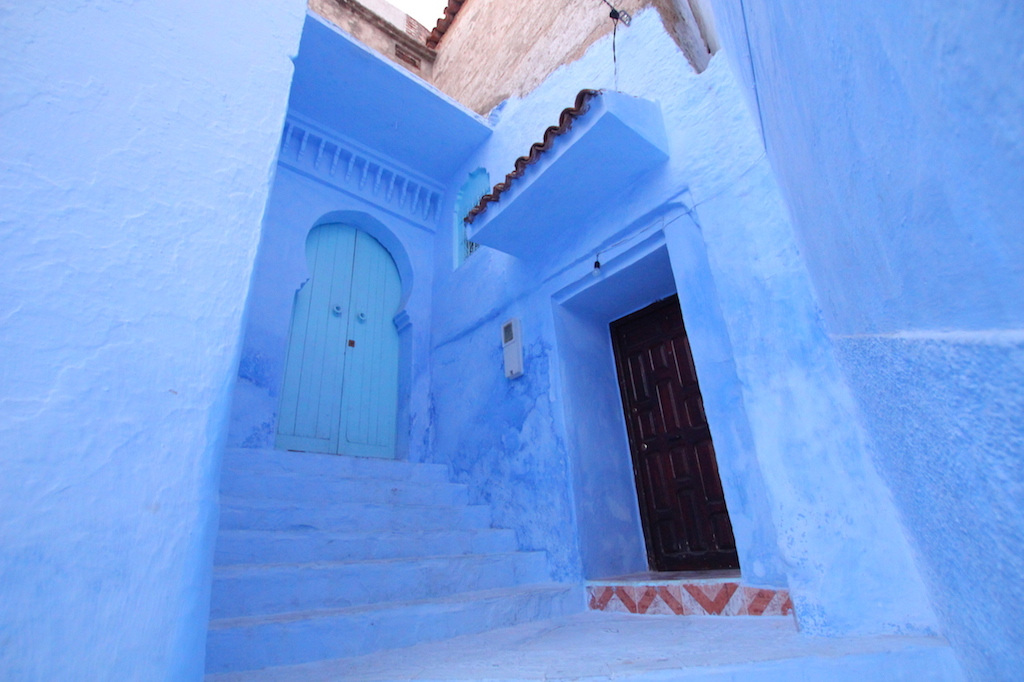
(344, 165)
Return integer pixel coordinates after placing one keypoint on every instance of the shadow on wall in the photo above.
(611, 537)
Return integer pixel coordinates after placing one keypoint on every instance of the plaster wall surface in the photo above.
(383, 27)
(296, 205)
(806, 503)
(488, 55)
(896, 138)
(137, 144)
(370, 146)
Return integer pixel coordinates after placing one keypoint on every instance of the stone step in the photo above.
(308, 486)
(598, 647)
(251, 643)
(270, 546)
(267, 589)
(288, 462)
(244, 514)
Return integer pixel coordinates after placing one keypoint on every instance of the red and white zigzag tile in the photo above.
(690, 599)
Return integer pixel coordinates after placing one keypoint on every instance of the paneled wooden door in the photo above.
(682, 506)
(340, 389)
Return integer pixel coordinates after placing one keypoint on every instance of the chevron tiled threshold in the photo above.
(686, 594)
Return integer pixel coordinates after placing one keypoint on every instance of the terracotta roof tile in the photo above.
(444, 22)
(537, 149)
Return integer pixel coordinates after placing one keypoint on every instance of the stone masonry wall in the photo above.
(488, 55)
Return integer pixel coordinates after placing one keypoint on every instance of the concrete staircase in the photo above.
(323, 557)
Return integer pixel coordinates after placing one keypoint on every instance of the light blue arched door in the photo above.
(340, 389)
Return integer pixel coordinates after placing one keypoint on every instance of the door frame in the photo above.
(605, 496)
(632, 276)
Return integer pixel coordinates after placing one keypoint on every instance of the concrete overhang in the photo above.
(587, 167)
(346, 87)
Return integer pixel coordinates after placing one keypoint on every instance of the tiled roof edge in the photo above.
(444, 22)
(537, 149)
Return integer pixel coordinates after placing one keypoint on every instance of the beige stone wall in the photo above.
(382, 27)
(495, 49)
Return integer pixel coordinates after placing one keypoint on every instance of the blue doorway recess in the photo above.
(340, 388)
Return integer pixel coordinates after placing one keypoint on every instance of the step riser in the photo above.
(307, 487)
(355, 517)
(242, 547)
(268, 590)
(353, 634)
(309, 463)
(292, 508)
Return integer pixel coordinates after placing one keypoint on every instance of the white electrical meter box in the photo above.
(512, 344)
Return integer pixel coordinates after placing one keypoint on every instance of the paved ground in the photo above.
(610, 646)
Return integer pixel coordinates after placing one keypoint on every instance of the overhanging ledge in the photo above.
(601, 146)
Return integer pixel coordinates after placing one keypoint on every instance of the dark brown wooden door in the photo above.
(686, 524)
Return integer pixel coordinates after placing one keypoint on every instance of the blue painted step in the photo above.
(306, 486)
(300, 637)
(278, 461)
(325, 556)
(276, 547)
(239, 514)
(269, 589)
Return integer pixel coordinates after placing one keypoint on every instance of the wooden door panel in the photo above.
(638, 377)
(340, 388)
(314, 368)
(686, 523)
(370, 396)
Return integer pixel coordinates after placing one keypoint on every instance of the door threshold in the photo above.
(687, 593)
(668, 577)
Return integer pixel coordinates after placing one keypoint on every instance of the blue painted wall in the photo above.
(133, 185)
(137, 145)
(896, 136)
(297, 203)
(807, 505)
(385, 173)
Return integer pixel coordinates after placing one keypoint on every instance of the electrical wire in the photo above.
(616, 16)
(662, 223)
(615, 60)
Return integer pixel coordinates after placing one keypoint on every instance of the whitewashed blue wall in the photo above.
(806, 503)
(302, 198)
(895, 131)
(137, 142)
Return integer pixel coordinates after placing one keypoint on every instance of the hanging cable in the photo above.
(616, 15)
(689, 212)
(615, 61)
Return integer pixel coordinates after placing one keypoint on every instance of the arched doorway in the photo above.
(340, 387)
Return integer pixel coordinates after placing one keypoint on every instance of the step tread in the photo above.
(249, 503)
(458, 599)
(246, 459)
(229, 473)
(336, 534)
(243, 568)
(255, 546)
